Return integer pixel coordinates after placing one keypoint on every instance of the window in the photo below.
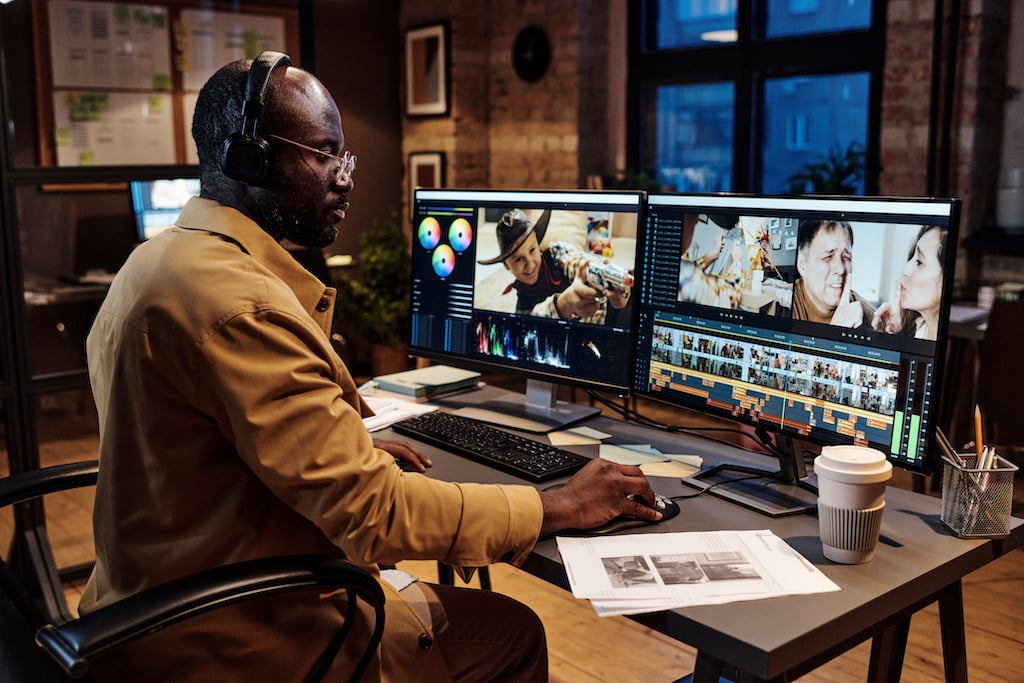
(772, 96)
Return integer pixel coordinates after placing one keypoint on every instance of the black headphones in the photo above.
(246, 156)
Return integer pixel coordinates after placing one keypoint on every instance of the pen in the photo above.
(979, 441)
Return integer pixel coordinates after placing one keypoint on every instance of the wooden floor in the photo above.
(585, 647)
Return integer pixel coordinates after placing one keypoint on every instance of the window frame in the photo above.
(748, 63)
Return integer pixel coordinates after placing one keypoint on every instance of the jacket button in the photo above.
(323, 304)
(425, 642)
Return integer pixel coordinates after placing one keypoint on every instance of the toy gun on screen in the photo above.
(592, 269)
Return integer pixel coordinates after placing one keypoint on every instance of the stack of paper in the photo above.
(388, 411)
(636, 573)
(429, 381)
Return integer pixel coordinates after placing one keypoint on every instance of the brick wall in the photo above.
(503, 132)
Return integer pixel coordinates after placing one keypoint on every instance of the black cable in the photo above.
(632, 415)
(704, 490)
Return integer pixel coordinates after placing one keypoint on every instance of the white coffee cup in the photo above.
(851, 500)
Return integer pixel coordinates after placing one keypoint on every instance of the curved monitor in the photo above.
(536, 283)
(816, 318)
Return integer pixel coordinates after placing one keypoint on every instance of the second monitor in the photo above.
(534, 283)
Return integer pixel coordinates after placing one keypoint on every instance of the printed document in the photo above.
(636, 573)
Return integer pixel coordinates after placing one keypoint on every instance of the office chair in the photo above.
(73, 645)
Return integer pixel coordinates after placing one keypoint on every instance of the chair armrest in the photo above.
(24, 486)
(77, 642)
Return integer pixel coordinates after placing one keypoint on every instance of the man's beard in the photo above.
(281, 223)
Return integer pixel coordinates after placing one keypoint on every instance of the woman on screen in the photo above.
(914, 309)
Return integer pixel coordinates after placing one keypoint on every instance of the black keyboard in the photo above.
(502, 450)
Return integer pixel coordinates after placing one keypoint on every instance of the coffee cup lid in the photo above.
(857, 464)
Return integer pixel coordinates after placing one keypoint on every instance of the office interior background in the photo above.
(930, 92)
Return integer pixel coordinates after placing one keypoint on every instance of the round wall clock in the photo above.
(531, 54)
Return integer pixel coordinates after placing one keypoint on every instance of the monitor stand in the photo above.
(777, 493)
(538, 411)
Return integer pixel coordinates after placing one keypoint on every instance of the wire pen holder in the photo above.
(976, 503)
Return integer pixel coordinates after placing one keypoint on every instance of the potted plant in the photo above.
(837, 173)
(375, 307)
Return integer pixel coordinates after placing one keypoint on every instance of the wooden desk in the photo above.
(917, 562)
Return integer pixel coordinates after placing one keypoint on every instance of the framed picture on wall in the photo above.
(426, 169)
(426, 70)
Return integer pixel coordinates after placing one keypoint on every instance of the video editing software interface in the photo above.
(820, 318)
(490, 274)
(157, 203)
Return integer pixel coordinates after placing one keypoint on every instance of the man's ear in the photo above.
(801, 262)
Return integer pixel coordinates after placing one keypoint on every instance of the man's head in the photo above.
(824, 260)
(304, 193)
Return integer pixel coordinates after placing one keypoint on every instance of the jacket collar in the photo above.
(215, 218)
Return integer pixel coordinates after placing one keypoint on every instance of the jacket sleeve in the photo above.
(290, 408)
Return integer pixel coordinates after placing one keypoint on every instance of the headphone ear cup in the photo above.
(245, 159)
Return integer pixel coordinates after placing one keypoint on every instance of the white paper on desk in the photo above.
(641, 572)
(388, 411)
(629, 456)
(569, 438)
(669, 468)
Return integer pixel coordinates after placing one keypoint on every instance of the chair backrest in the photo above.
(73, 645)
(1001, 373)
(21, 660)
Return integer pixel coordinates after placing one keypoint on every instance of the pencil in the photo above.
(979, 441)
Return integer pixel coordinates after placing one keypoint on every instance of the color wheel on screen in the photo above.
(460, 234)
(429, 233)
(443, 260)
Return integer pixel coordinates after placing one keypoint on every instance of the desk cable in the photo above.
(759, 436)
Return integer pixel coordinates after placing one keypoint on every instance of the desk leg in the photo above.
(706, 669)
(951, 623)
(887, 650)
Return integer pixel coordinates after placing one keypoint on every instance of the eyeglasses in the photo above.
(347, 159)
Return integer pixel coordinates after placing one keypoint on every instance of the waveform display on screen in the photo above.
(514, 341)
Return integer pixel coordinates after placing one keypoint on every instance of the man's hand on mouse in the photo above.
(599, 492)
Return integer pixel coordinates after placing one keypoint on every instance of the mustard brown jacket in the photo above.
(231, 430)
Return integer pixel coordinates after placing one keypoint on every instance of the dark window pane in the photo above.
(800, 17)
(815, 133)
(693, 23)
(694, 137)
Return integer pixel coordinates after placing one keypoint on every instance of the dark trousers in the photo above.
(486, 636)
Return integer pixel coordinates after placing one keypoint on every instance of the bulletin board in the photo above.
(118, 81)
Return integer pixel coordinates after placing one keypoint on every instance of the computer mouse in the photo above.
(666, 506)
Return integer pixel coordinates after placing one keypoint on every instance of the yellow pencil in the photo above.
(979, 441)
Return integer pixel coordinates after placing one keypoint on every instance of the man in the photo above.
(230, 430)
(824, 261)
(551, 282)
